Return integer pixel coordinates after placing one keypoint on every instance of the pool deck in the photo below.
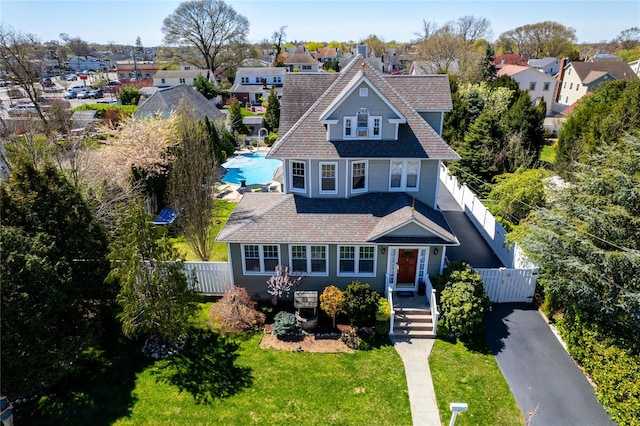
(233, 192)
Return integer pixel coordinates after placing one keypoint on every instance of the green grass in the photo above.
(220, 254)
(261, 387)
(548, 153)
(472, 375)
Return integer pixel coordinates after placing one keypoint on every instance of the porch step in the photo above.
(413, 322)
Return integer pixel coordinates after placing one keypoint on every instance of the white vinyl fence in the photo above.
(508, 285)
(516, 282)
(213, 277)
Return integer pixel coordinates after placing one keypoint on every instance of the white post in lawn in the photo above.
(456, 407)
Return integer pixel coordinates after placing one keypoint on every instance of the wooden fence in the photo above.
(214, 278)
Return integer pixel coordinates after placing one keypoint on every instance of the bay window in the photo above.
(328, 178)
(298, 182)
(359, 176)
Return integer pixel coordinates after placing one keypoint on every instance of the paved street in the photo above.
(542, 376)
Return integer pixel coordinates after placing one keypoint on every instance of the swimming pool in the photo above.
(260, 171)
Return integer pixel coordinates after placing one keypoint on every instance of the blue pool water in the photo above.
(261, 172)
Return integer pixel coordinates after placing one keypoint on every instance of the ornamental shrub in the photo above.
(360, 304)
(236, 312)
(331, 301)
(384, 310)
(464, 302)
(283, 323)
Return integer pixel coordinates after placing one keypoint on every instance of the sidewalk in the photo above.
(422, 397)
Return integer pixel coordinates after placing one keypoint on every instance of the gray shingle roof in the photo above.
(619, 70)
(287, 218)
(164, 101)
(304, 136)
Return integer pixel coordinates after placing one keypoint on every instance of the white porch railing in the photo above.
(392, 318)
(434, 311)
(213, 277)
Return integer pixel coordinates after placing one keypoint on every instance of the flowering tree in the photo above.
(280, 283)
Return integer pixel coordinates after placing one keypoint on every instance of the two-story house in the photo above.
(251, 84)
(580, 78)
(302, 61)
(361, 153)
(185, 75)
(538, 84)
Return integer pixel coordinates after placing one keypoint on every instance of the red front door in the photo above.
(407, 263)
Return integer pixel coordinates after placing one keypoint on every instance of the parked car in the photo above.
(70, 94)
(84, 94)
(111, 86)
(16, 93)
(22, 109)
(95, 93)
(46, 82)
(71, 77)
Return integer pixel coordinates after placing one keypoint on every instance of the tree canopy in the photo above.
(55, 305)
(602, 117)
(540, 40)
(209, 25)
(587, 242)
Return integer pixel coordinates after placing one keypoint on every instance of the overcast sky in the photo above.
(122, 21)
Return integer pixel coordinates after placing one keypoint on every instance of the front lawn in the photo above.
(471, 375)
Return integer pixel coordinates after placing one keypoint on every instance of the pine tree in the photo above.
(272, 115)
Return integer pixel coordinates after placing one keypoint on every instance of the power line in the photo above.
(539, 209)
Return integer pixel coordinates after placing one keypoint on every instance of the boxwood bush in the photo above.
(360, 304)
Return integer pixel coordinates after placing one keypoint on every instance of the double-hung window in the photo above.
(356, 260)
(404, 175)
(307, 259)
(298, 181)
(328, 178)
(359, 176)
(260, 258)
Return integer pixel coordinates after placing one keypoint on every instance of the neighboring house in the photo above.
(604, 57)
(302, 61)
(362, 153)
(251, 84)
(509, 59)
(254, 124)
(165, 101)
(135, 69)
(580, 78)
(81, 63)
(392, 61)
(548, 65)
(428, 67)
(327, 54)
(167, 78)
(537, 83)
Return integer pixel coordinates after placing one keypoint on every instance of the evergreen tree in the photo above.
(587, 243)
(272, 115)
(488, 69)
(55, 305)
(235, 118)
(156, 296)
(208, 88)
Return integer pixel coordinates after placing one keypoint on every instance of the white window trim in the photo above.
(308, 258)
(261, 254)
(356, 260)
(403, 178)
(306, 168)
(354, 127)
(366, 176)
(335, 165)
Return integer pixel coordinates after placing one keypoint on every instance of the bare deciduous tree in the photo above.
(539, 40)
(209, 25)
(192, 181)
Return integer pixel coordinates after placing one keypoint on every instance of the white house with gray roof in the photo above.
(251, 84)
(362, 153)
(169, 78)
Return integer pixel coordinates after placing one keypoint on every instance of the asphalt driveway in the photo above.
(542, 376)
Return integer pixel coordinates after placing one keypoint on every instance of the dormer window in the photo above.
(366, 126)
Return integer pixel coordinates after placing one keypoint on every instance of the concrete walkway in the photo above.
(422, 397)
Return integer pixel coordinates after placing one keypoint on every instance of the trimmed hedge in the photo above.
(125, 110)
(614, 370)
